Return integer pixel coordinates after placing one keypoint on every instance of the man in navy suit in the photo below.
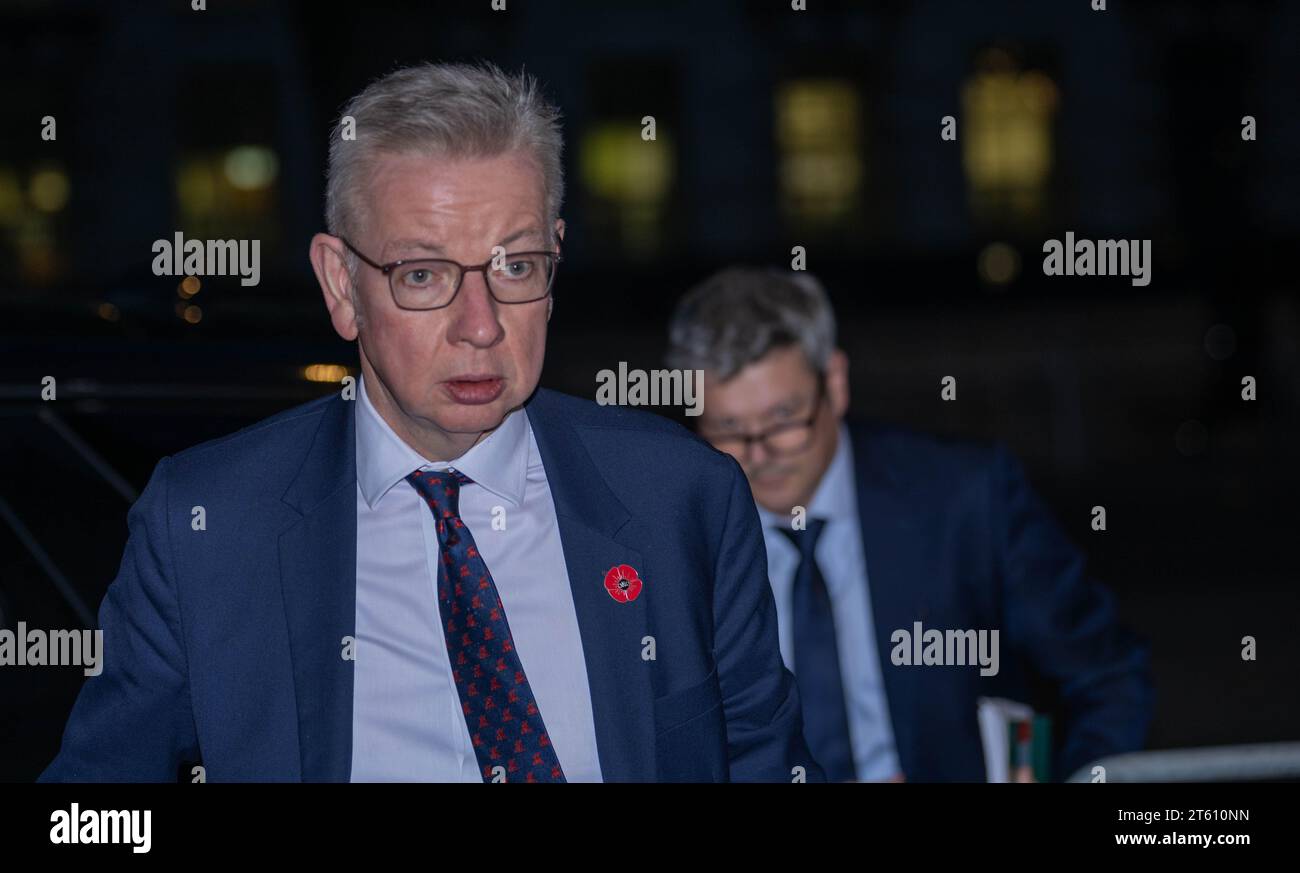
(442, 572)
(882, 542)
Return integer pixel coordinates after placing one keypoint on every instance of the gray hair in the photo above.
(456, 110)
(738, 315)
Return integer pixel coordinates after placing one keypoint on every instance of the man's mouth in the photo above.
(767, 477)
(475, 388)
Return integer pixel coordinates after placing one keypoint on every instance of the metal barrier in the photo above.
(1249, 763)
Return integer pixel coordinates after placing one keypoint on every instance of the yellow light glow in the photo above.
(634, 176)
(818, 123)
(189, 286)
(324, 372)
(49, 190)
(1007, 148)
(998, 263)
(108, 312)
(617, 164)
(193, 314)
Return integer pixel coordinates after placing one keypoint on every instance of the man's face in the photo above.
(444, 377)
(781, 388)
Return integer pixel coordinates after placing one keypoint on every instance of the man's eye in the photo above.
(518, 269)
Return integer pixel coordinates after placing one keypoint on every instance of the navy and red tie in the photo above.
(500, 711)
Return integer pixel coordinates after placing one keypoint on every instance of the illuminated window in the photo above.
(630, 179)
(228, 193)
(226, 173)
(32, 204)
(818, 128)
(1006, 137)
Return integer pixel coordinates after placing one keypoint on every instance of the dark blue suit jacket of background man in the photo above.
(226, 644)
(956, 538)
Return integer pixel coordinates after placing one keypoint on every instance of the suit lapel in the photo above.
(590, 519)
(318, 561)
(891, 539)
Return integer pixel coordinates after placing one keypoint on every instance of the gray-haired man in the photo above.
(875, 534)
(453, 575)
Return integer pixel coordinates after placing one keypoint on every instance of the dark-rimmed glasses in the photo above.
(433, 283)
(783, 438)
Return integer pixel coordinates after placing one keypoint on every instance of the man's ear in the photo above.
(559, 234)
(331, 269)
(837, 382)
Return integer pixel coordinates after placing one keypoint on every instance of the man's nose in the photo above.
(474, 316)
(757, 453)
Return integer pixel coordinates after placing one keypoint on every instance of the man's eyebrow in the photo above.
(520, 234)
(399, 246)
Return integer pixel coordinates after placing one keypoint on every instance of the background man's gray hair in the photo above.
(740, 314)
(455, 110)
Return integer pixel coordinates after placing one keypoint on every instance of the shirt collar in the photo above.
(498, 462)
(835, 497)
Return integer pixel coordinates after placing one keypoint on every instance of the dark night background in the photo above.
(775, 129)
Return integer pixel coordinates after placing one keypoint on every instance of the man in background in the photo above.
(871, 529)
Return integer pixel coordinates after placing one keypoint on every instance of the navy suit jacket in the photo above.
(956, 538)
(225, 645)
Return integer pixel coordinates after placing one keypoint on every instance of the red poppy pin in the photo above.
(622, 583)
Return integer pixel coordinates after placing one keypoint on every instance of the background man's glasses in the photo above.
(785, 438)
(432, 283)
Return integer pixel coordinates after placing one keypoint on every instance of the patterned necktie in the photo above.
(502, 716)
(817, 661)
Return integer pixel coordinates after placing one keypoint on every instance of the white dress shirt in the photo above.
(407, 722)
(841, 557)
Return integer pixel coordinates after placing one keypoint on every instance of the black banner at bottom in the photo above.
(329, 822)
